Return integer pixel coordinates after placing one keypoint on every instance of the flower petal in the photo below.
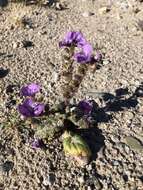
(73, 38)
(30, 89)
(80, 57)
(30, 108)
(87, 49)
(85, 56)
(25, 108)
(38, 109)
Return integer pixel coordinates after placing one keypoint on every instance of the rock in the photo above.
(15, 45)
(55, 76)
(127, 150)
(129, 115)
(123, 4)
(140, 109)
(115, 163)
(136, 10)
(87, 14)
(27, 43)
(137, 83)
(89, 188)
(127, 174)
(106, 62)
(120, 169)
(89, 167)
(134, 143)
(59, 6)
(104, 10)
(119, 16)
(49, 179)
(81, 179)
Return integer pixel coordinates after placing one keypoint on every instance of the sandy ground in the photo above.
(118, 33)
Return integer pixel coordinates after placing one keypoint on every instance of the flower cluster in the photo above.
(30, 108)
(64, 117)
(76, 39)
(73, 144)
(73, 39)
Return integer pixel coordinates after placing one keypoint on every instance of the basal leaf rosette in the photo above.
(74, 145)
(51, 128)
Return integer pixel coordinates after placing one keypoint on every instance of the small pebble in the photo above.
(89, 188)
(129, 115)
(124, 5)
(106, 62)
(86, 14)
(118, 16)
(104, 10)
(81, 179)
(49, 180)
(127, 150)
(115, 163)
(134, 143)
(59, 6)
(15, 45)
(55, 76)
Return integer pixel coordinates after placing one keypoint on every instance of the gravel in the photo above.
(31, 54)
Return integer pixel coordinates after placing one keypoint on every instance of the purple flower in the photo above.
(37, 143)
(30, 108)
(73, 38)
(76, 39)
(85, 106)
(85, 56)
(30, 89)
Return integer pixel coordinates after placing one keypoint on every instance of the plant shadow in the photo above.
(113, 103)
(119, 101)
(94, 138)
(92, 135)
(4, 72)
(3, 3)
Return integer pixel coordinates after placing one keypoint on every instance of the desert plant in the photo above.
(48, 123)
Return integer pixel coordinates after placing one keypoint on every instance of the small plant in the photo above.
(48, 123)
(51, 123)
